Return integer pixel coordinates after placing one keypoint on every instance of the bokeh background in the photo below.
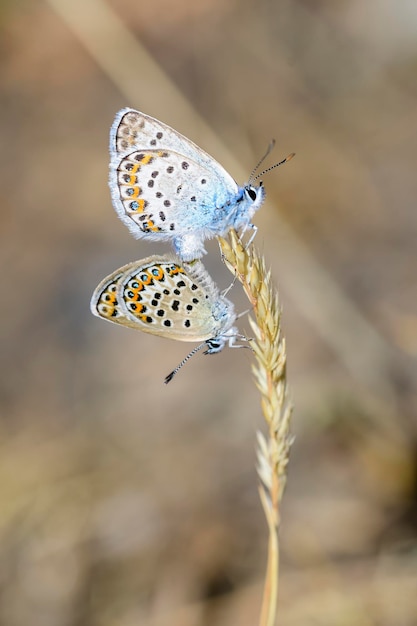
(127, 502)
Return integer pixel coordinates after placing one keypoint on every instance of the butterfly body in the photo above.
(164, 187)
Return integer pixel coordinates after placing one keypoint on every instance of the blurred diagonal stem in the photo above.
(269, 372)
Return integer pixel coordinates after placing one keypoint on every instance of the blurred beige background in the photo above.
(127, 502)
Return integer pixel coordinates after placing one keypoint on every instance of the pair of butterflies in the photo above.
(166, 188)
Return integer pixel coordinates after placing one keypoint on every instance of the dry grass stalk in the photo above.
(270, 377)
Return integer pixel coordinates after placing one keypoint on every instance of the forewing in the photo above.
(133, 130)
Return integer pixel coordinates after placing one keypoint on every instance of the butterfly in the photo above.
(163, 296)
(165, 188)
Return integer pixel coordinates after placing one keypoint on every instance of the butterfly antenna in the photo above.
(183, 362)
(288, 158)
(269, 150)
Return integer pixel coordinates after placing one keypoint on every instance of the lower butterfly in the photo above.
(162, 296)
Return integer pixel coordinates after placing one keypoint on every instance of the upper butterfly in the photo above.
(164, 187)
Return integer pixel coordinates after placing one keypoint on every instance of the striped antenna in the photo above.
(183, 362)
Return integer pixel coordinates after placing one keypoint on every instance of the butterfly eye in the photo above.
(251, 192)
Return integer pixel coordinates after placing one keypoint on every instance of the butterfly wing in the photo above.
(163, 298)
(135, 130)
(163, 186)
(162, 193)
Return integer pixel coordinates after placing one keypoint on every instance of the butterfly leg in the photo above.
(233, 342)
(254, 230)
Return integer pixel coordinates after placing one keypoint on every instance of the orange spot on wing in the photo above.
(110, 298)
(138, 309)
(152, 227)
(177, 270)
(148, 279)
(141, 205)
(160, 274)
(146, 159)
